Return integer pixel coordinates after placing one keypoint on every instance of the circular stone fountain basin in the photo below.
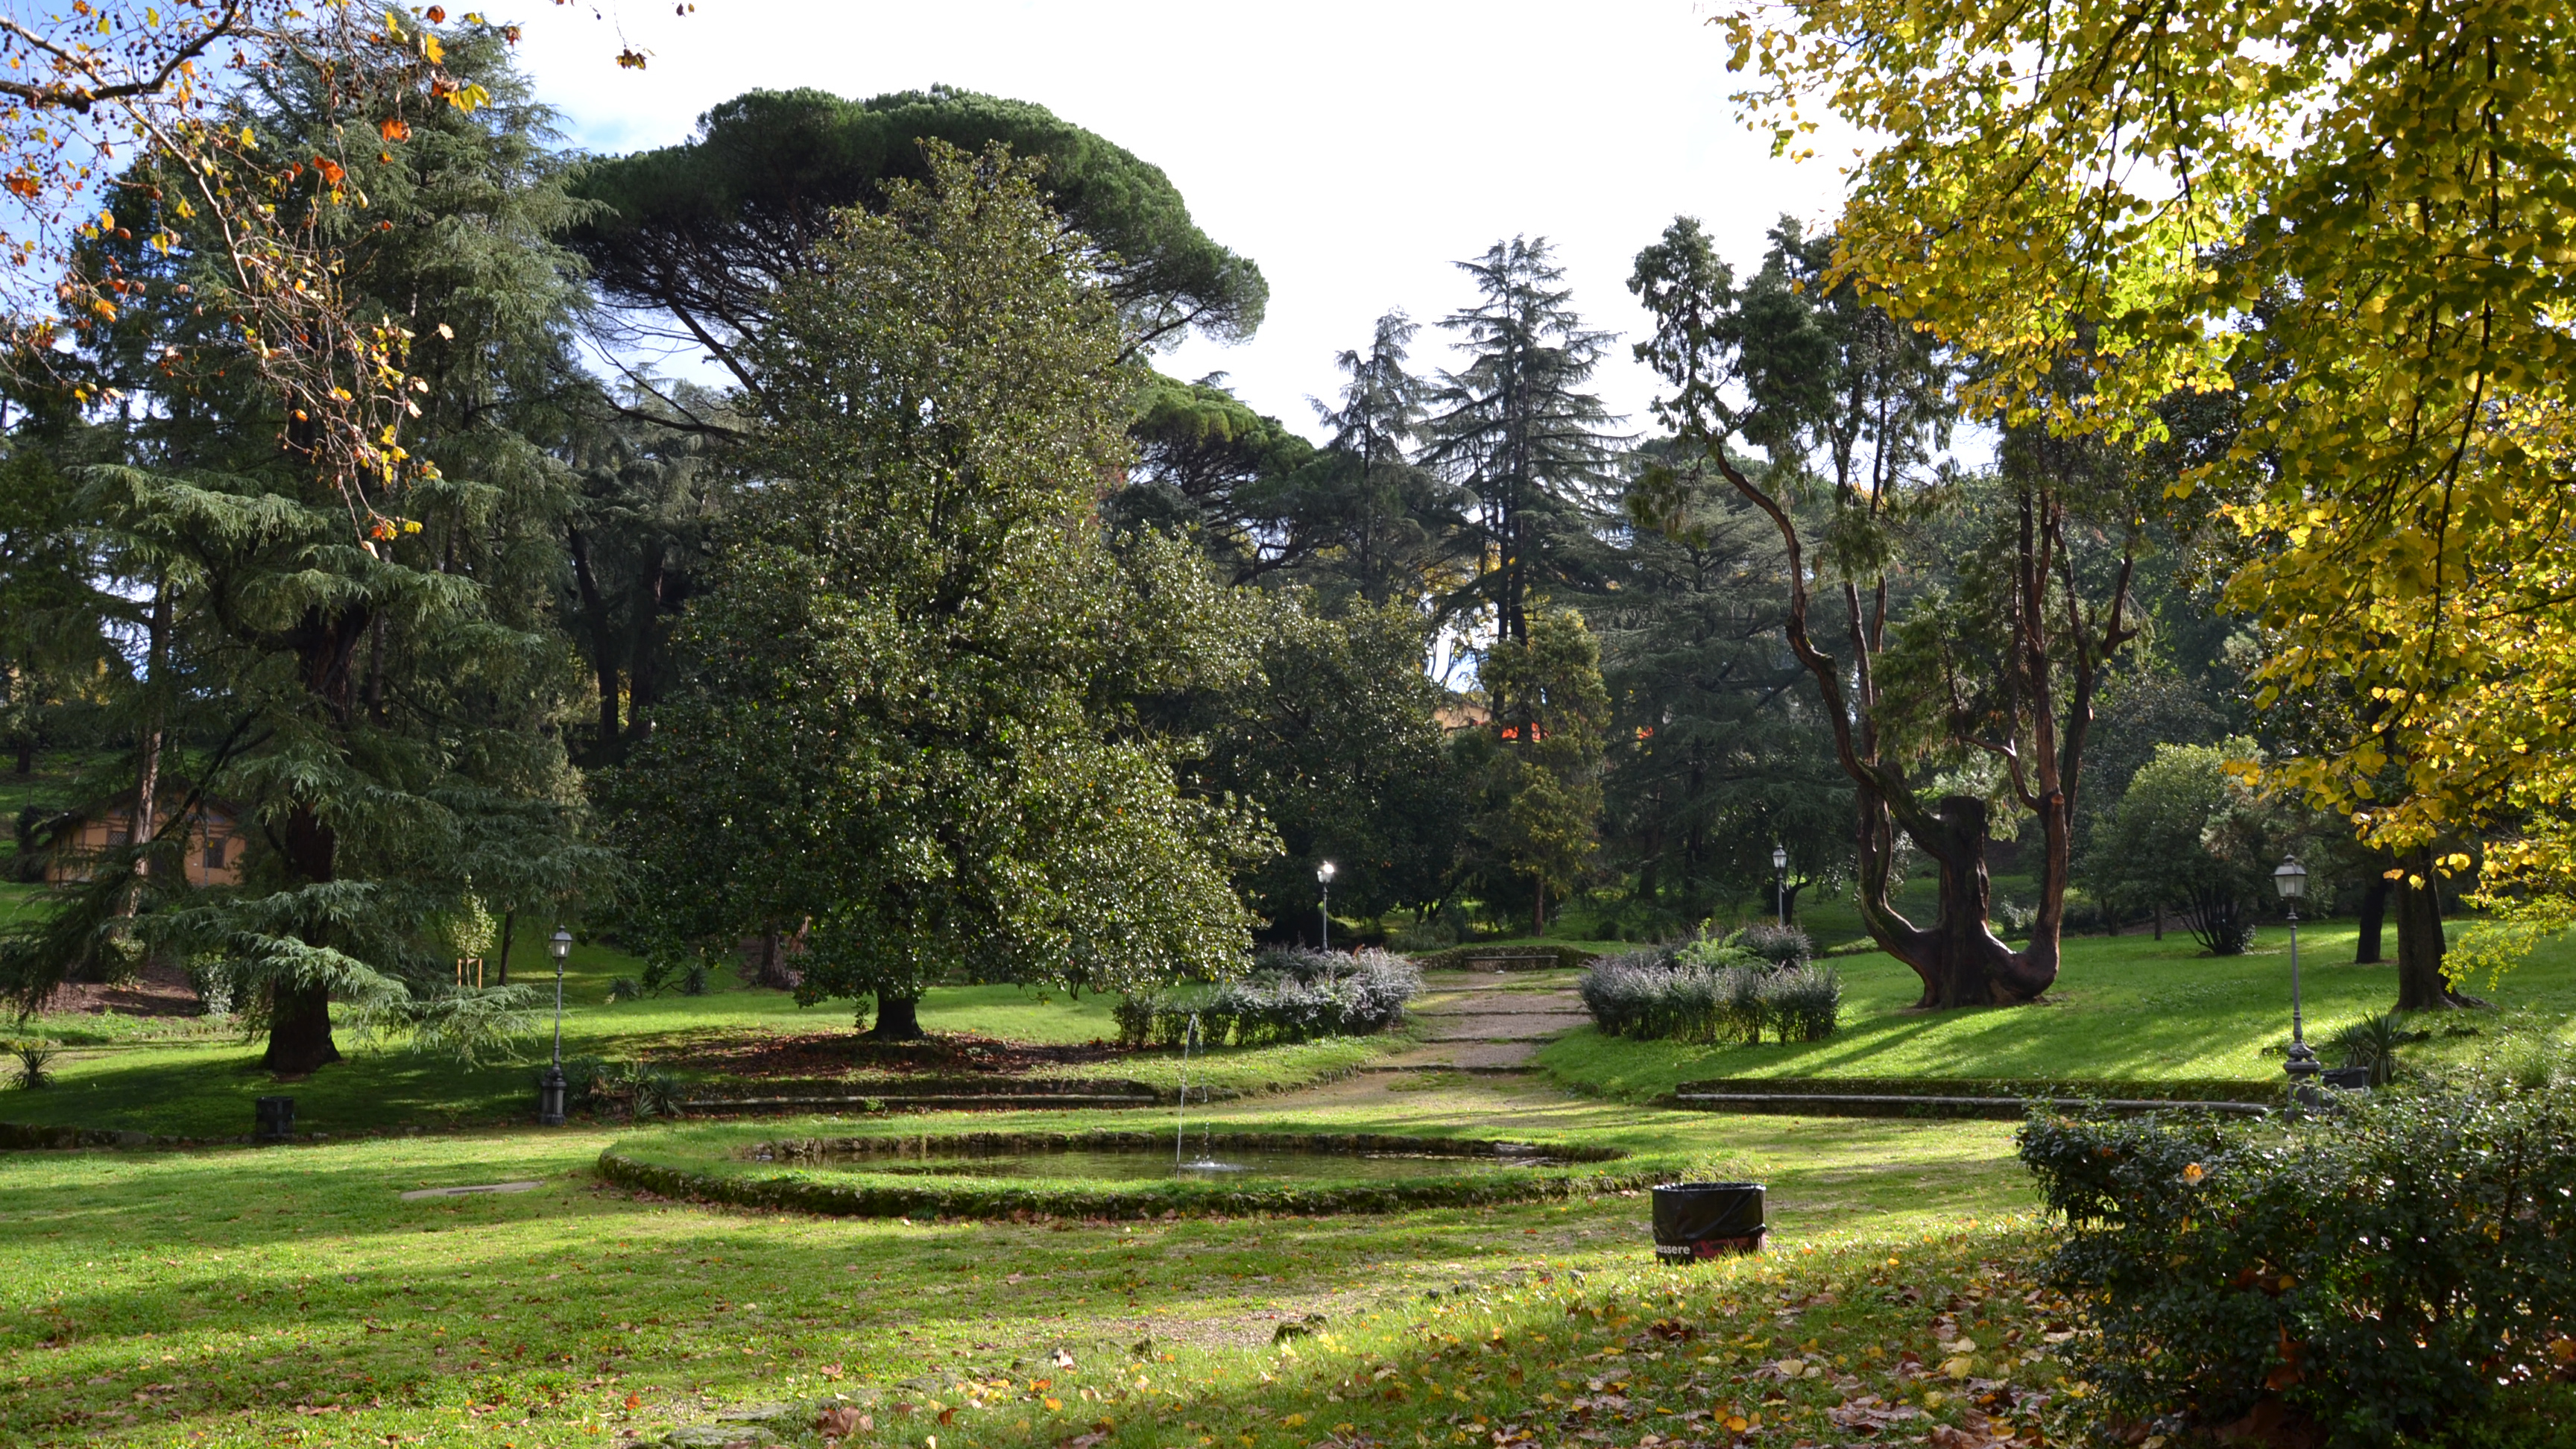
(1116, 1174)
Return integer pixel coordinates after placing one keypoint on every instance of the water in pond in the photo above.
(1226, 1165)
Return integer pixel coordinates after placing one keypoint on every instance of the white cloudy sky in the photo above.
(1354, 150)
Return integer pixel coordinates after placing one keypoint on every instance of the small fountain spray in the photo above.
(1180, 1120)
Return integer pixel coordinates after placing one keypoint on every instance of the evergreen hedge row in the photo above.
(2401, 1271)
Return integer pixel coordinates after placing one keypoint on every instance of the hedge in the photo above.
(2398, 1271)
(733, 1180)
(1520, 958)
(2178, 1090)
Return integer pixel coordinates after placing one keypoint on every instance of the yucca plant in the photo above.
(33, 1059)
(2372, 1042)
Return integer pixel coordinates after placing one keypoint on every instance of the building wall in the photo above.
(214, 846)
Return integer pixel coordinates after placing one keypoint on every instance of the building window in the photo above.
(117, 838)
(215, 853)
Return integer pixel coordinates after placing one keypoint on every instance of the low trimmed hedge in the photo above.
(1725, 993)
(2402, 1271)
(1292, 996)
(667, 1166)
(1523, 958)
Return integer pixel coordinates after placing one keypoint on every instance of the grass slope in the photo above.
(239, 1297)
(2124, 1009)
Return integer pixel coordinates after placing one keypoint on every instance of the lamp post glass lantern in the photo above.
(1780, 881)
(550, 1087)
(2291, 880)
(1324, 879)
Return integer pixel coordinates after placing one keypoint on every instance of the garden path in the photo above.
(1488, 1021)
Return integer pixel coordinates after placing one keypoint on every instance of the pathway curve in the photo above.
(1488, 1021)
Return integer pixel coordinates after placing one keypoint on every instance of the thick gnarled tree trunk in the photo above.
(1959, 958)
(2420, 946)
(898, 1019)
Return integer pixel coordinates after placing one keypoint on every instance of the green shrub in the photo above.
(1291, 996)
(2396, 1272)
(33, 1060)
(1725, 994)
(1780, 945)
(629, 1090)
(2372, 1042)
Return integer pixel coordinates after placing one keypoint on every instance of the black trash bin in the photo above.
(1696, 1220)
(2347, 1079)
(276, 1120)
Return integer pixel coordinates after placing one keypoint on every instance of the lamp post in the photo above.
(1780, 881)
(2291, 880)
(550, 1087)
(1324, 878)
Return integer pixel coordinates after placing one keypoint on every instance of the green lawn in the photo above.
(2128, 1008)
(202, 1083)
(241, 1297)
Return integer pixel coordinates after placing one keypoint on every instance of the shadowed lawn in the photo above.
(2124, 1009)
(236, 1297)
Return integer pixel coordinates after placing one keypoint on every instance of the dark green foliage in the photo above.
(1536, 766)
(381, 710)
(1516, 430)
(1237, 481)
(2190, 836)
(1524, 957)
(1332, 736)
(2372, 1042)
(626, 1090)
(2382, 1273)
(906, 721)
(710, 230)
(1291, 996)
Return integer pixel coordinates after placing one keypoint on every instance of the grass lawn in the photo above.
(190, 1077)
(242, 1297)
(2126, 1008)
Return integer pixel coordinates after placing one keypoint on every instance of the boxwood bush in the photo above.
(2404, 1271)
(1291, 996)
(1651, 995)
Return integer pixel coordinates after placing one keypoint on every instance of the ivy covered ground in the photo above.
(290, 1295)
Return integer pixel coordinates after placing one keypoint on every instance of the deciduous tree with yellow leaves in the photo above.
(2359, 223)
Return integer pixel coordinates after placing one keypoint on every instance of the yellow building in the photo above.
(212, 849)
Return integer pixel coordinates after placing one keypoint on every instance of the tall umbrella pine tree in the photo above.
(1514, 427)
(899, 725)
(376, 702)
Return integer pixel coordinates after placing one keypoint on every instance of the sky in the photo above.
(1356, 151)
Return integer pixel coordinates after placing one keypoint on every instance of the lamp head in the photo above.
(1325, 872)
(1779, 857)
(2291, 879)
(561, 943)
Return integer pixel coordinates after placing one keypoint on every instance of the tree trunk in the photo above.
(509, 927)
(898, 1019)
(2374, 917)
(2160, 920)
(2420, 986)
(26, 755)
(1538, 913)
(299, 1030)
(147, 784)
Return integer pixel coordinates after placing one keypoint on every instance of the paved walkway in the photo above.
(1488, 1021)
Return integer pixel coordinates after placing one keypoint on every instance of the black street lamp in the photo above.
(550, 1087)
(1324, 878)
(1780, 881)
(2292, 882)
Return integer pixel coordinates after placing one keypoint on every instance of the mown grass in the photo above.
(2125, 1008)
(239, 1297)
(189, 1077)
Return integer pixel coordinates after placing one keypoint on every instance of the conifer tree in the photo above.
(906, 726)
(377, 707)
(1515, 428)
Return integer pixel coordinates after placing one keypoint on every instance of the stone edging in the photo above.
(1851, 1104)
